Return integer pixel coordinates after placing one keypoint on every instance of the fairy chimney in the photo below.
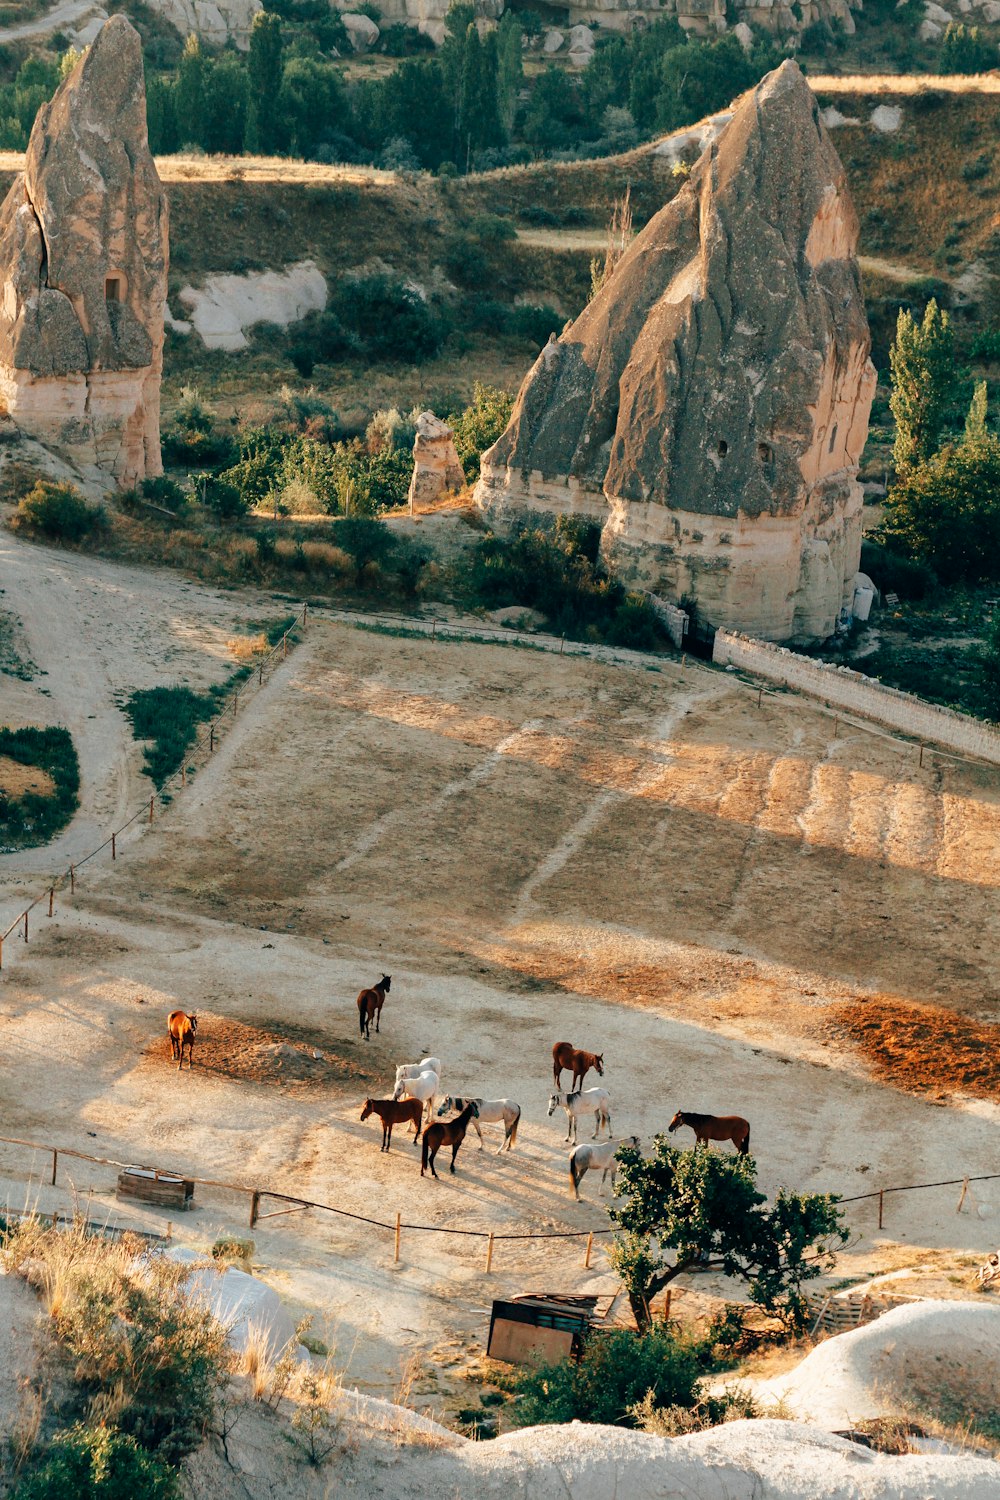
(437, 469)
(710, 405)
(83, 257)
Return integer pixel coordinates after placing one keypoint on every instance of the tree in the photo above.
(510, 69)
(553, 113)
(922, 361)
(700, 77)
(161, 117)
(480, 424)
(946, 511)
(265, 70)
(990, 668)
(310, 104)
(975, 421)
(227, 98)
(706, 1208)
(189, 94)
(965, 50)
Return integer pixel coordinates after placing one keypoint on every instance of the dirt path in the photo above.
(95, 630)
(66, 13)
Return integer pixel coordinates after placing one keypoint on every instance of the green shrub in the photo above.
(480, 424)
(32, 818)
(98, 1463)
(376, 317)
(617, 1372)
(58, 511)
(169, 717)
(366, 541)
(892, 573)
(164, 491)
(223, 498)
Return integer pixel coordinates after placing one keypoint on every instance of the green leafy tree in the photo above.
(480, 424)
(965, 50)
(922, 361)
(975, 421)
(415, 105)
(701, 77)
(946, 511)
(510, 69)
(678, 1209)
(227, 101)
(264, 64)
(990, 668)
(161, 115)
(189, 94)
(554, 112)
(310, 104)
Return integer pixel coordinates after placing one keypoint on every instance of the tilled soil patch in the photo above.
(297, 1057)
(924, 1048)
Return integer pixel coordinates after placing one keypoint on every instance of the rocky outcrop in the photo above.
(437, 470)
(709, 407)
(83, 259)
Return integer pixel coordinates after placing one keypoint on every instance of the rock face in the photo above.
(83, 258)
(710, 405)
(436, 467)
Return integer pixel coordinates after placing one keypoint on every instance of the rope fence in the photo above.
(295, 1204)
(204, 739)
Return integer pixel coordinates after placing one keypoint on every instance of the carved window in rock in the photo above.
(723, 447)
(833, 438)
(114, 287)
(765, 452)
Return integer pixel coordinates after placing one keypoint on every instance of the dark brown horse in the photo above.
(392, 1112)
(565, 1055)
(447, 1133)
(181, 1029)
(370, 1003)
(714, 1128)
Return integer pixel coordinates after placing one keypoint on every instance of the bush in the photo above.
(480, 424)
(375, 317)
(59, 512)
(32, 818)
(224, 498)
(164, 491)
(366, 541)
(945, 512)
(892, 573)
(169, 717)
(618, 1371)
(96, 1463)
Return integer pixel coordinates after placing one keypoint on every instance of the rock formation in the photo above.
(436, 466)
(83, 257)
(710, 405)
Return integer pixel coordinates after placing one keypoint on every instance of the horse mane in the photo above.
(690, 1118)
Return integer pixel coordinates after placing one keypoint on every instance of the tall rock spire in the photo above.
(710, 405)
(83, 262)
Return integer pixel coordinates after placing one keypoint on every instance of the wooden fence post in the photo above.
(921, 760)
(489, 1253)
(211, 739)
(26, 927)
(398, 1217)
(965, 1189)
(260, 675)
(284, 645)
(72, 879)
(55, 1160)
(151, 809)
(434, 627)
(881, 1200)
(1, 952)
(590, 1246)
(305, 608)
(52, 898)
(184, 775)
(114, 851)
(254, 1207)
(760, 694)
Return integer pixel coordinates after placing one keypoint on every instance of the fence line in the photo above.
(296, 1203)
(204, 737)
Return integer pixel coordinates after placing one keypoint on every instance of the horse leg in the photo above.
(388, 1138)
(454, 1153)
(378, 1017)
(608, 1120)
(430, 1161)
(479, 1133)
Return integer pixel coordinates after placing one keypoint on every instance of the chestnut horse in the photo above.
(565, 1055)
(370, 1003)
(714, 1128)
(447, 1133)
(391, 1112)
(181, 1029)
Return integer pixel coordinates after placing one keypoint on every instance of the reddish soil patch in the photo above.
(273, 1052)
(925, 1049)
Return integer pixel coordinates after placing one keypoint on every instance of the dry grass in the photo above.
(18, 780)
(903, 84)
(248, 647)
(924, 1048)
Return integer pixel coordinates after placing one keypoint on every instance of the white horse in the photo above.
(582, 1102)
(414, 1070)
(492, 1111)
(584, 1159)
(423, 1087)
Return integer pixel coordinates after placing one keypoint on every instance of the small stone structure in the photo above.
(710, 405)
(437, 470)
(83, 267)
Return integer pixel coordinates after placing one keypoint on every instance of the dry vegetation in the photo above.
(300, 1058)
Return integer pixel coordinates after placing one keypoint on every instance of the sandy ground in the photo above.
(635, 859)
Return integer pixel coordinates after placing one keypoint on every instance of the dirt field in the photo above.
(637, 859)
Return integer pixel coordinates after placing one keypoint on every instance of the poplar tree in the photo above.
(264, 66)
(922, 361)
(189, 97)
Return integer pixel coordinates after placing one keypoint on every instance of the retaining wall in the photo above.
(842, 688)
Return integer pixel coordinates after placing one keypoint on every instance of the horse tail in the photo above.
(512, 1137)
(745, 1144)
(574, 1176)
(423, 1154)
(361, 1018)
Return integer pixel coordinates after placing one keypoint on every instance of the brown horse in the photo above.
(181, 1029)
(392, 1112)
(370, 1003)
(714, 1128)
(565, 1055)
(447, 1133)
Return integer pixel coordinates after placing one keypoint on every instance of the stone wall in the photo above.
(840, 687)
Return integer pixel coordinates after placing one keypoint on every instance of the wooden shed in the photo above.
(539, 1328)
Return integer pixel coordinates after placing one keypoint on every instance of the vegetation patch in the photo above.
(39, 785)
(58, 512)
(923, 1048)
(298, 1058)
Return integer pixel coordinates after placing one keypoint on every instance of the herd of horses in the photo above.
(418, 1089)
